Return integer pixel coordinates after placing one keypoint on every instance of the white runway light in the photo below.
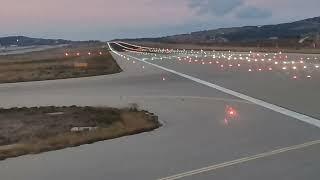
(287, 112)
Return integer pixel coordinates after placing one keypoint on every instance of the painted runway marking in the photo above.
(287, 112)
(240, 161)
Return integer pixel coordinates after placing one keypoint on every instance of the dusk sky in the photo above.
(109, 19)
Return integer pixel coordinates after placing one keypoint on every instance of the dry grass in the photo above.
(120, 123)
(53, 64)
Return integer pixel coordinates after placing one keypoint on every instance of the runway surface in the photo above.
(200, 139)
(27, 49)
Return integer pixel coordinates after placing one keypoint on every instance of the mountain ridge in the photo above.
(28, 41)
(302, 31)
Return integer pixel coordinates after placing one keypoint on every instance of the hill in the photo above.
(304, 33)
(27, 41)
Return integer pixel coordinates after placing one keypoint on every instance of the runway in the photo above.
(27, 49)
(196, 141)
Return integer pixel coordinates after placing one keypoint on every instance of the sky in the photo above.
(111, 19)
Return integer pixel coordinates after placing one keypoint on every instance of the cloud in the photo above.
(251, 12)
(110, 19)
(215, 7)
(239, 9)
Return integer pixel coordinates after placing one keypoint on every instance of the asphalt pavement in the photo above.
(200, 137)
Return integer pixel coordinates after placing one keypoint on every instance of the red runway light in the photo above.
(231, 113)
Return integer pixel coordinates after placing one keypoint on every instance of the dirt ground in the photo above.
(77, 60)
(39, 129)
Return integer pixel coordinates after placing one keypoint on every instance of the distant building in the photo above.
(273, 38)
